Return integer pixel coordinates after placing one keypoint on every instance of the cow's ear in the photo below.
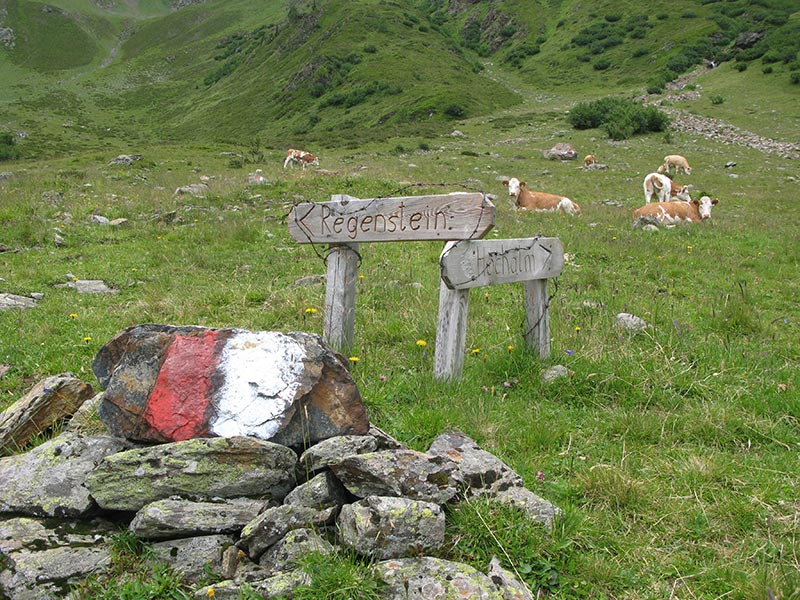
(505, 183)
(522, 184)
(714, 201)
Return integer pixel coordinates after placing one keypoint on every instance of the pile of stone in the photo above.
(238, 453)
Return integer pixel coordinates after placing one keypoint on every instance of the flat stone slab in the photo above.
(9, 301)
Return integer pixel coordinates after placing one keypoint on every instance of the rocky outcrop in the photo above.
(247, 508)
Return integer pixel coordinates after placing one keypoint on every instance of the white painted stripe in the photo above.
(261, 375)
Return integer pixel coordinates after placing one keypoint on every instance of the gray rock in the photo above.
(48, 402)
(288, 552)
(630, 323)
(332, 450)
(321, 492)
(510, 587)
(430, 578)
(192, 557)
(555, 373)
(536, 507)
(561, 151)
(89, 286)
(400, 473)
(280, 585)
(199, 469)
(274, 523)
(125, 159)
(50, 573)
(381, 527)
(480, 471)
(169, 519)
(9, 301)
(50, 480)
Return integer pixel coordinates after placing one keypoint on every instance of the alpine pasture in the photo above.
(674, 453)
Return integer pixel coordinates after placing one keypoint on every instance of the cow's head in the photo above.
(682, 191)
(514, 186)
(704, 206)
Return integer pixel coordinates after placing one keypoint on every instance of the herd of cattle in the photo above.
(673, 203)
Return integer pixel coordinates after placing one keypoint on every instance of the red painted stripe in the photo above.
(179, 403)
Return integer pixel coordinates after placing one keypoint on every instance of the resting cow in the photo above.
(664, 189)
(677, 161)
(539, 201)
(672, 213)
(589, 159)
(300, 156)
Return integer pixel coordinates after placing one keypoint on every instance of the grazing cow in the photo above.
(677, 161)
(664, 189)
(672, 213)
(589, 159)
(539, 201)
(300, 156)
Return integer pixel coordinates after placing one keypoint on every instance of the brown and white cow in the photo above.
(672, 213)
(589, 159)
(678, 162)
(664, 189)
(300, 156)
(539, 201)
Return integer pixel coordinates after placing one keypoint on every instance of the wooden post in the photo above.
(340, 296)
(451, 333)
(451, 330)
(537, 330)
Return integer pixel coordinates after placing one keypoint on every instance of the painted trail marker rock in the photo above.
(165, 383)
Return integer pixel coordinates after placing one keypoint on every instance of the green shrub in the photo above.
(766, 70)
(455, 111)
(717, 99)
(795, 77)
(619, 118)
(8, 147)
(601, 65)
(742, 66)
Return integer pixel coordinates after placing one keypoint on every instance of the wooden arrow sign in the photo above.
(477, 263)
(458, 216)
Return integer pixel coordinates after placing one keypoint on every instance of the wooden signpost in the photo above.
(345, 221)
(469, 264)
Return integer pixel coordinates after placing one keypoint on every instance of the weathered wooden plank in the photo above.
(478, 263)
(537, 317)
(340, 296)
(414, 218)
(451, 331)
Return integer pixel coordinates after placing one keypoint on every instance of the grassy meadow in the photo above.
(674, 453)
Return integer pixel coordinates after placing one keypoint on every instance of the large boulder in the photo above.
(164, 383)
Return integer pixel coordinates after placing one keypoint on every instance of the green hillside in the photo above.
(83, 75)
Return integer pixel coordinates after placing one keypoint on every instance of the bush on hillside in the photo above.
(8, 147)
(619, 118)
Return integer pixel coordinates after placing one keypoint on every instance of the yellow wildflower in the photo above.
(73, 315)
(422, 343)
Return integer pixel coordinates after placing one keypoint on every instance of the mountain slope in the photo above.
(95, 76)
